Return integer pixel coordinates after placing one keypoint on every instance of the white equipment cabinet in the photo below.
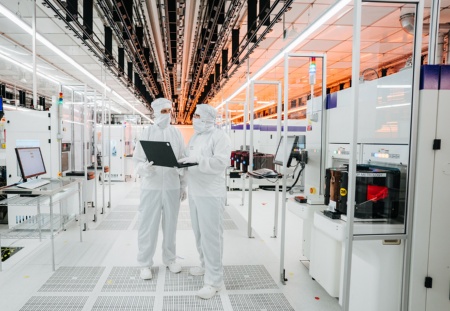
(306, 213)
(120, 142)
(376, 265)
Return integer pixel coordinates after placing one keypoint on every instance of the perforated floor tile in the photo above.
(229, 224)
(52, 303)
(184, 224)
(126, 279)
(121, 215)
(114, 225)
(73, 279)
(126, 208)
(124, 303)
(248, 277)
(259, 302)
(182, 282)
(136, 225)
(187, 303)
(184, 215)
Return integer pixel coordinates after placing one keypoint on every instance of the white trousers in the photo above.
(207, 223)
(157, 206)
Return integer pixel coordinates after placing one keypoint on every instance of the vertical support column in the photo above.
(85, 151)
(352, 161)
(94, 126)
(51, 232)
(34, 57)
(109, 153)
(80, 202)
(284, 170)
(434, 31)
(250, 160)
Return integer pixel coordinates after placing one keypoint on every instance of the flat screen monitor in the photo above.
(30, 161)
(280, 156)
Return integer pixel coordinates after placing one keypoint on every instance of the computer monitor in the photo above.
(31, 162)
(280, 156)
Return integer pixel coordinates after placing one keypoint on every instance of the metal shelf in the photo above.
(30, 228)
(42, 200)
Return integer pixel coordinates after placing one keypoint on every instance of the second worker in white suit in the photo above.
(210, 148)
(162, 188)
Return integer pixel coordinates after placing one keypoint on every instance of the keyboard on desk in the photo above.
(265, 172)
(34, 183)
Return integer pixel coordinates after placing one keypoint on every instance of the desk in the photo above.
(56, 191)
(250, 199)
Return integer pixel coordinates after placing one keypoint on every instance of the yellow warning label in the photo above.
(343, 192)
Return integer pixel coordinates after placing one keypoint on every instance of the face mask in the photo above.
(199, 125)
(163, 120)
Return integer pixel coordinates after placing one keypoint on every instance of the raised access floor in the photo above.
(101, 272)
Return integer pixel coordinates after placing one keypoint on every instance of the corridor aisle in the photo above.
(101, 273)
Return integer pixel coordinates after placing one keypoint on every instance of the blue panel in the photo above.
(445, 78)
(331, 101)
(429, 77)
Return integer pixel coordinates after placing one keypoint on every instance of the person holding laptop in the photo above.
(162, 189)
(210, 148)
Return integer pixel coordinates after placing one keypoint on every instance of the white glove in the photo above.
(191, 159)
(181, 171)
(145, 168)
(183, 194)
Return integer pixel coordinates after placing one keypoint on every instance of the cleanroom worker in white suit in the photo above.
(210, 148)
(162, 189)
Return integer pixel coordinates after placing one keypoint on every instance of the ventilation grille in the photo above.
(120, 303)
(182, 282)
(126, 279)
(260, 302)
(178, 303)
(248, 277)
(73, 279)
(121, 215)
(51, 303)
(114, 225)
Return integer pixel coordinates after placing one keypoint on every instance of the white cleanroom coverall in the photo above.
(211, 148)
(161, 190)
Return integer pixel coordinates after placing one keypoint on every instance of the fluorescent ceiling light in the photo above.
(394, 86)
(74, 122)
(301, 37)
(393, 106)
(12, 107)
(21, 65)
(11, 16)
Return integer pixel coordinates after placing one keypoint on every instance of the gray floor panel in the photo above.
(229, 224)
(182, 282)
(73, 279)
(52, 303)
(121, 215)
(126, 208)
(259, 302)
(188, 303)
(126, 279)
(114, 225)
(248, 277)
(120, 303)
(184, 225)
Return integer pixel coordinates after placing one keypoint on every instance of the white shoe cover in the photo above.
(146, 274)
(174, 267)
(207, 292)
(197, 271)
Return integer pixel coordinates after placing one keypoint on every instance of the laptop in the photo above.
(161, 153)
